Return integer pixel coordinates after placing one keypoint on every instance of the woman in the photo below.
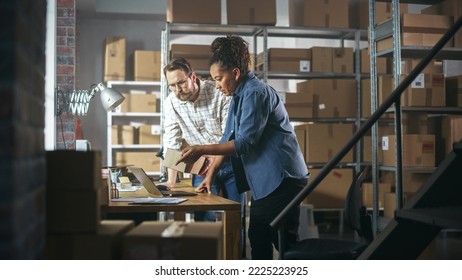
(261, 143)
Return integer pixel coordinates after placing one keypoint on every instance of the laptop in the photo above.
(151, 187)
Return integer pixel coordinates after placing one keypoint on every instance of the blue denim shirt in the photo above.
(264, 138)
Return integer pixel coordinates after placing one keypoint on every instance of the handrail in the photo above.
(396, 94)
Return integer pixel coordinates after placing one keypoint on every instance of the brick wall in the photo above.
(65, 70)
(22, 121)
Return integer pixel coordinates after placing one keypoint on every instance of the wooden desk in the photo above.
(201, 202)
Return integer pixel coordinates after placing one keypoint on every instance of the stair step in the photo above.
(444, 217)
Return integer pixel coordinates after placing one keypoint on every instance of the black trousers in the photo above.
(262, 213)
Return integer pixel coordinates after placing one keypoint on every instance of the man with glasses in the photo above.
(195, 112)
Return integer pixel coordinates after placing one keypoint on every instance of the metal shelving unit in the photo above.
(392, 28)
(127, 118)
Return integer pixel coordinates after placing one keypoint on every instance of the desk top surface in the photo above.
(201, 202)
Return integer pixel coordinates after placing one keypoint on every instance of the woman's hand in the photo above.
(205, 185)
(190, 154)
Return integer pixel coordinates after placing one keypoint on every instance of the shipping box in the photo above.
(197, 55)
(286, 60)
(188, 241)
(197, 11)
(147, 65)
(454, 91)
(114, 59)
(332, 190)
(359, 12)
(418, 150)
(319, 13)
(146, 160)
(251, 12)
(138, 103)
(452, 8)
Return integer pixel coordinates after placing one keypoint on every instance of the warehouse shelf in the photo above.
(134, 119)
(391, 28)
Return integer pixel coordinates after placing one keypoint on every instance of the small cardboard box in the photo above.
(171, 157)
(149, 134)
(190, 241)
(198, 11)
(123, 135)
(332, 190)
(146, 160)
(73, 211)
(104, 244)
(426, 90)
(454, 91)
(324, 13)
(418, 150)
(286, 60)
(73, 170)
(147, 65)
(342, 60)
(139, 103)
(251, 12)
(114, 59)
(197, 55)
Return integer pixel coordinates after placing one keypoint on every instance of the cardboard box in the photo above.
(332, 190)
(329, 98)
(138, 103)
(251, 12)
(73, 170)
(368, 193)
(453, 91)
(198, 11)
(147, 65)
(149, 134)
(321, 59)
(426, 90)
(197, 55)
(434, 67)
(123, 135)
(359, 12)
(422, 23)
(73, 210)
(418, 150)
(412, 181)
(114, 59)
(324, 140)
(194, 241)
(104, 244)
(320, 13)
(451, 132)
(381, 63)
(342, 60)
(452, 8)
(412, 40)
(286, 60)
(171, 157)
(146, 160)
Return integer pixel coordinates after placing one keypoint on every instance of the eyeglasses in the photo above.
(181, 84)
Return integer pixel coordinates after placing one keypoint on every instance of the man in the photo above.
(196, 113)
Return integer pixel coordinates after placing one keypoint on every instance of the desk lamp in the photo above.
(78, 101)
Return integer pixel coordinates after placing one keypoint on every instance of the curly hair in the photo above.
(230, 52)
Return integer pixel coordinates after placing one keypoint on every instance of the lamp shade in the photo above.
(110, 98)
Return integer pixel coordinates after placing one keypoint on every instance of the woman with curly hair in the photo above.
(261, 143)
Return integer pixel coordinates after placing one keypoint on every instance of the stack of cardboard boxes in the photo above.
(75, 194)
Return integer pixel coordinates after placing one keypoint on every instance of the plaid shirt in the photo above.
(197, 123)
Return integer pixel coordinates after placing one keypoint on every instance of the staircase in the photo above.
(436, 206)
